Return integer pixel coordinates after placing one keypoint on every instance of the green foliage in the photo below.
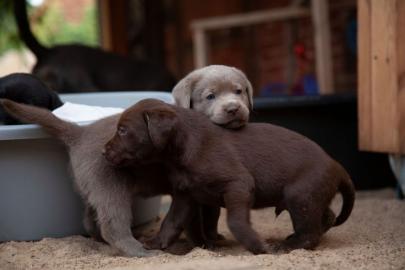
(9, 38)
(50, 29)
(53, 29)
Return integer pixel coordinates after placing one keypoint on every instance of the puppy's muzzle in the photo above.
(232, 108)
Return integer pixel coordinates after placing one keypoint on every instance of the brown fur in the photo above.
(260, 165)
(107, 192)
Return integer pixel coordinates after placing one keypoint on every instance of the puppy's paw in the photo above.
(153, 243)
(207, 244)
(258, 249)
(220, 237)
(215, 237)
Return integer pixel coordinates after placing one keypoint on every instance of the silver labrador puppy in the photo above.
(221, 92)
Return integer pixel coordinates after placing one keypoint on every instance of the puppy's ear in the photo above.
(250, 93)
(249, 87)
(183, 89)
(161, 125)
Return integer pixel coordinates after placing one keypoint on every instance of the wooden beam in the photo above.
(250, 18)
(322, 41)
(199, 27)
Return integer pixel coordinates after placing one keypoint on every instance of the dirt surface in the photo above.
(372, 238)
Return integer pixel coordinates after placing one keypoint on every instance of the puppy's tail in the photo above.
(65, 131)
(347, 190)
(24, 29)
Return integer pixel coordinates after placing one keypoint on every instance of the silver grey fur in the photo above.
(222, 81)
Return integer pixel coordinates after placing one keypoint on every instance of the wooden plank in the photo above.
(250, 18)
(323, 53)
(400, 50)
(384, 76)
(364, 75)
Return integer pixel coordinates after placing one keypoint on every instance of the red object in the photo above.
(300, 51)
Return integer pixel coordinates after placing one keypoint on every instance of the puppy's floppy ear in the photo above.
(249, 87)
(183, 89)
(161, 123)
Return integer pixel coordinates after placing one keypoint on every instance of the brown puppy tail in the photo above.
(347, 190)
(65, 131)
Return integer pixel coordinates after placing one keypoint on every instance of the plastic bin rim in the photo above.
(24, 132)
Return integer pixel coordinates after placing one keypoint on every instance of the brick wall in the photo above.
(264, 52)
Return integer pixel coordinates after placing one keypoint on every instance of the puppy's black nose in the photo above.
(232, 109)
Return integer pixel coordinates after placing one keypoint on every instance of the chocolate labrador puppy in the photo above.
(260, 165)
(108, 192)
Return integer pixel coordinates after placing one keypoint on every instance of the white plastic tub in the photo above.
(37, 199)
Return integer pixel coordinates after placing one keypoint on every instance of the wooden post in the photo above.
(382, 75)
(200, 47)
(322, 40)
(113, 25)
(364, 73)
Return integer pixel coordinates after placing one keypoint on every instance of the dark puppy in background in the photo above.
(260, 165)
(78, 68)
(108, 192)
(27, 89)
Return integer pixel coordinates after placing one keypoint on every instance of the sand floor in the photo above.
(372, 238)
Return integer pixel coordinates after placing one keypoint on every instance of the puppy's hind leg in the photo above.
(328, 219)
(90, 224)
(307, 222)
(114, 216)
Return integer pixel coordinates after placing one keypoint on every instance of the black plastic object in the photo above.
(331, 121)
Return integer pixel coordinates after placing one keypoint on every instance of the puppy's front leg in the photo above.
(180, 213)
(238, 203)
(202, 229)
(210, 216)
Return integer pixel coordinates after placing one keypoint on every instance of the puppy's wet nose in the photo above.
(232, 109)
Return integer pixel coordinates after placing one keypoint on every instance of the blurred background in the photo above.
(278, 55)
(300, 55)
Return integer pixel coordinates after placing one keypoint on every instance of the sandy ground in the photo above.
(373, 238)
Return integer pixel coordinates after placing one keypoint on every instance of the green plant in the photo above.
(50, 29)
(9, 38)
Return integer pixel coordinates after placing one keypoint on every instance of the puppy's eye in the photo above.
(210, 96)
(238, 91)
(122, 131)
